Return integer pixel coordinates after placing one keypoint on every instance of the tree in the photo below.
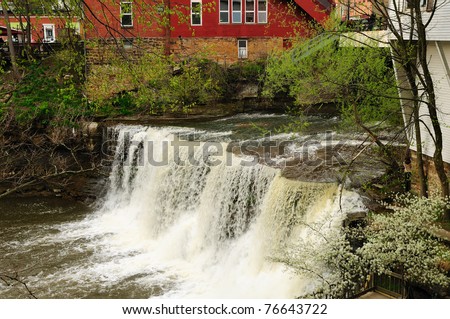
(404, 240)
(22, 10)
(359, 79)
(42, 140)
(12, 52)
(407, 44)
(327, 260)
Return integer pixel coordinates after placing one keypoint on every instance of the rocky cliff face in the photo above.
(52, 160)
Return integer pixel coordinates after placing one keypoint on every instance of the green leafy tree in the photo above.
(408, 23)
(5, 9)
(359, 79)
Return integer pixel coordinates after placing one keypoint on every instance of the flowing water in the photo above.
(181, 218)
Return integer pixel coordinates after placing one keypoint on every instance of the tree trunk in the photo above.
(432, 107)
(404, 54)
(417, 132)
(28, 29)
(167, 28)
(12, 51)
(414, 90)
(419, 153)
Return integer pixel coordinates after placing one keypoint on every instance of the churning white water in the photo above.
(206, 221)
(180, 219)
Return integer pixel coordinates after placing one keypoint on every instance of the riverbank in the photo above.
(56, 146)
(313, 156)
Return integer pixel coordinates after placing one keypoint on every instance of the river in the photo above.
(186, 221)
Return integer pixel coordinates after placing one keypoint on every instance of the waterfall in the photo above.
(203, 222)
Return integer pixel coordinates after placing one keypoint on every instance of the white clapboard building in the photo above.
(438, 52)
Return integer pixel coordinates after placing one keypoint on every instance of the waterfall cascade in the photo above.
(208, 221)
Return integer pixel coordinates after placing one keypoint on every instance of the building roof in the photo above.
(13, 31)
(318, 9)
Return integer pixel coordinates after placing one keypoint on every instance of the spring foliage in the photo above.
(49, 92)
(329, 261)
(152, 84)
(314, 73)
(404, 240)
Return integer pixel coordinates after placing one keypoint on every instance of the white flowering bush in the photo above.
(336, 271)
(327, 260)
(405, 240)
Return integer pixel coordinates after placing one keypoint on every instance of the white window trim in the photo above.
(254, 12)
(233, 11)
(223, 11)
(44, 27)
(127, 13)
(242, 56)
(200, 13)
(263, 11)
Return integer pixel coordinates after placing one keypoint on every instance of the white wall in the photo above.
(442, 88)
(439, 28)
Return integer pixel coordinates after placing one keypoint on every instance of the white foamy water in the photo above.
(188, 221)
(211, 225)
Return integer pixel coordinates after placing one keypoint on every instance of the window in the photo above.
(196, 12)
(49, 33)
(237, 11)
(262, 11)
(126, 14)
(128, 43)
(243, 11)
(430, 5)
(242, 49)
(249, 11)
(224, 11)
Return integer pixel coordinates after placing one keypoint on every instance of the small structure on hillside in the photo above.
(47, 25)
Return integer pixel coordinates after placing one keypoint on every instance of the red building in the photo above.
(44, 28)
(227, 30)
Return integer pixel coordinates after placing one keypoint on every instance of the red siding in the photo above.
(106, 22)
(103, 20)
(280, 23)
